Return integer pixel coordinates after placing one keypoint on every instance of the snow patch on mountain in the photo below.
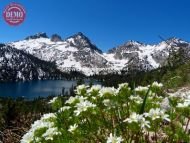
(17, 65)
(78, 53)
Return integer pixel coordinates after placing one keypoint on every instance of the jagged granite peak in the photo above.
(127, 45)
(78, 35)
(174, 39)
(133, 43)
(78, 53)
(56, 38)
(145, 57)
(81, 41)
(122, 52)
(36, 36)
(176, 42)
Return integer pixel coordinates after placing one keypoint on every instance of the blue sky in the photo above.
(107, 23)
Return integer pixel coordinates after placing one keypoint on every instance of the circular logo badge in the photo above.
(14, 14)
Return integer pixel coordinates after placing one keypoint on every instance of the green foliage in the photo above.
(57, 103)
(40, 132)
(142, 109)
(80, 81)
(102, 114)
(172, 76)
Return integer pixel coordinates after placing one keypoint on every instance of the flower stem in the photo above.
(186, 128)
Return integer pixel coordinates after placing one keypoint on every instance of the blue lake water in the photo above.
(34, 89)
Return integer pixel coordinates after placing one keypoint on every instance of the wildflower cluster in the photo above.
(115, 115)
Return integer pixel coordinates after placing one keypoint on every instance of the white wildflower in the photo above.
(141, 88)
(187, 99)
(157, 114)
(122, 85)
(71, 100)
(144, 123)
(94, 98)
(74, 99)
(164, 116)
(183, 105)
(27, 138)
(114, 139)
(94, 88)
(50, 132)
(151, 94)
(137, 118)
(80, 88)
(134, 117)
(53, 100)
(136, 99)
(62, 109)
(154, 114)
(83, 106)
(106, 102)
(156, 84)
(48, 116)
(42, 123)
(107, 91)
(72, 128)
(81, 98)
(83, 121)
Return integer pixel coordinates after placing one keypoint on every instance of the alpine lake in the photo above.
(40, 88)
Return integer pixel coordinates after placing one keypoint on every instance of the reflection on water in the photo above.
(33, 89)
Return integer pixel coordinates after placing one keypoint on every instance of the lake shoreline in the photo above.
(40, 88)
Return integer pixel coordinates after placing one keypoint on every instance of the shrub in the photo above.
(106, 114)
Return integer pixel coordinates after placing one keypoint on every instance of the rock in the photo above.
(165, 104)
(36, 36)
(56, 38)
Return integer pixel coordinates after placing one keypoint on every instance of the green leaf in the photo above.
(144, 102)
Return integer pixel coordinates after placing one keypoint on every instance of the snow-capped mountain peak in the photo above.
(74, 53)
(78, 53)
(36, 36)
(56, 38)
(133, 43)
(81, 41)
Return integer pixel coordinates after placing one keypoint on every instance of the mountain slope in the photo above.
(143, 57)
(16, 65)
(77, 53)
(73, 53)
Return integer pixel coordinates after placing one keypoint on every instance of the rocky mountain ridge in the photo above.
(78, 53)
